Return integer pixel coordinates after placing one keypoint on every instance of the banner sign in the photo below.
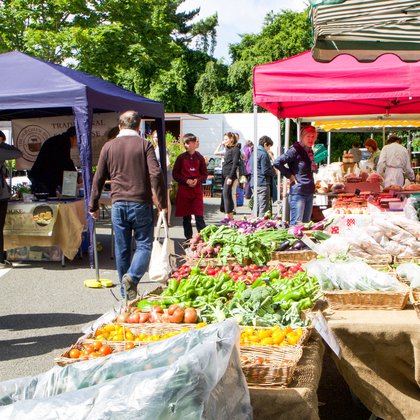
(30, 219)
(29, 135)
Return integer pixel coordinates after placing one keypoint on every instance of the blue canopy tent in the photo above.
(34, 88)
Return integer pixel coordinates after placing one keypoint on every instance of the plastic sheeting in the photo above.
(190, 376)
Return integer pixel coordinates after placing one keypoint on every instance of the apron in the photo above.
(393, 176)
(189, 201)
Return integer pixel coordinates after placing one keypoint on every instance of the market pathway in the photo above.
(43, 307)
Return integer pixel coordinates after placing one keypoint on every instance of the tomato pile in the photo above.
(276, 336)
(247, 274)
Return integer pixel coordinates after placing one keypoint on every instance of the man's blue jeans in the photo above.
(300, 208)
(129, 217)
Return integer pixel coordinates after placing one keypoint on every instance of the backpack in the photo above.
(241, 167)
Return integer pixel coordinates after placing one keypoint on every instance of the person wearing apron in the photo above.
(190, 171)
(394, 163)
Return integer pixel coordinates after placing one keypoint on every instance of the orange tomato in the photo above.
(105, 350)
(97, 345)
(74, 353)
(88, 348)
(129, 345)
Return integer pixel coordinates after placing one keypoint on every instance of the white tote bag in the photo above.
(162, 252)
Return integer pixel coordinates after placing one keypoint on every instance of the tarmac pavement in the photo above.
(43, 307)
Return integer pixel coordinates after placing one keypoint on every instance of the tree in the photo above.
(132, 43)
(283, 35)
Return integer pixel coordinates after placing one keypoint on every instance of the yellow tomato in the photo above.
(249, 330)
(129, 335)
(278, 336)
(267, 341)
(264, 333)
(254, 338)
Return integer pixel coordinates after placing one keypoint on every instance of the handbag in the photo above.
(162, 253)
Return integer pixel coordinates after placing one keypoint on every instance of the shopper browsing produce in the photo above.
(130, 162)
(190, 171)
(298, 165)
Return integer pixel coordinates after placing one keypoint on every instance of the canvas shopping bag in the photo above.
(162, 253)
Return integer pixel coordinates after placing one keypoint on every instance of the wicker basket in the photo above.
(64, 359)
(293, 256)
(415, 300)
(277, 367)
(307, 332)
(380, 262)
(354, 299)
(412, 259)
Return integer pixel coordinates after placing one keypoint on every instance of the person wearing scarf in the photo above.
(298, 165)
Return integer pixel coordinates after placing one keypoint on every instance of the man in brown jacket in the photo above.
(130, 162)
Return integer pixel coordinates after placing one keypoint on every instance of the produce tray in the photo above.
(293, 256)
(354, 299)
(415, 300)
(276, 369)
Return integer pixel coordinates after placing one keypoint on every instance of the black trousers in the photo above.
(3, 211)
(186, 223)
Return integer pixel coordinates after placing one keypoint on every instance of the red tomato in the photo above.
(134, 318)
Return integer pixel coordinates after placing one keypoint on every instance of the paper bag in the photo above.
(162, 253)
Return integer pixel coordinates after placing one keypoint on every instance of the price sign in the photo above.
(321, 325)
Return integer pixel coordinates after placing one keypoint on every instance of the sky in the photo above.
(239, 17)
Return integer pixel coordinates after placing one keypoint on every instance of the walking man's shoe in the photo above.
(129, 287)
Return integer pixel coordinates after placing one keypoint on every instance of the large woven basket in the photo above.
(264, 366)
(415, 300)
(354, 299)
(293, 256)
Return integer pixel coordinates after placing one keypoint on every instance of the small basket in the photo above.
(354, 299)
(307, 332)
(277, 368)
(415, 300)
(293, 256)
(64, 359)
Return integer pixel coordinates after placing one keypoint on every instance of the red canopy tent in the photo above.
(299, 86)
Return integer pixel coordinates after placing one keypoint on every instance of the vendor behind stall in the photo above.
(394, 163)
(53, 159)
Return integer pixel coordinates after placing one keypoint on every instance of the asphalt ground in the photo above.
(43, 307)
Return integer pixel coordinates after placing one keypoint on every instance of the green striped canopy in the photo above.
(365, 29)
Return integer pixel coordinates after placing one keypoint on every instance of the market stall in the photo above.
(33, 88)
(43, 224)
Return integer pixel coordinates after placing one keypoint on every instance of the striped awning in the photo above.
(349, 124)
(365, 29)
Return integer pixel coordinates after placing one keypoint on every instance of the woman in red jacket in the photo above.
(190, 171)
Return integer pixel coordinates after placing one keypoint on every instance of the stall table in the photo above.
(45, 224)
(381, 359)
(299, 400)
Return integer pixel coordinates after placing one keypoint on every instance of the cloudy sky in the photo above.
(239, 17)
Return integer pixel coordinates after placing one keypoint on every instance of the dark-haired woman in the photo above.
(229, 173)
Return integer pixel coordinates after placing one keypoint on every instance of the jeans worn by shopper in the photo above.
(128, 219)
(300, 208)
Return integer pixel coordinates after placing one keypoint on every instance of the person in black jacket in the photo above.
(300, 170)
(229, 172)
(53, 159)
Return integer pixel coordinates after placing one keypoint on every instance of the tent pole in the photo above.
(383, 136)
(286, 146)
(255, 163)
(278, 172)
(329, 147)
